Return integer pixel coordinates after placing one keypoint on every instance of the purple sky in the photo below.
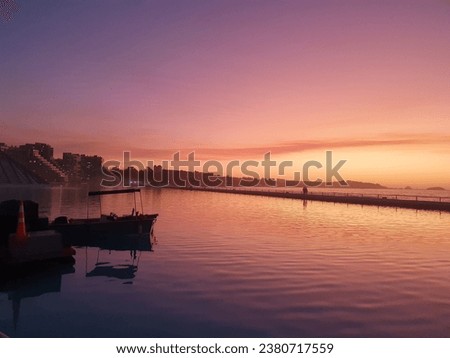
(101, 77)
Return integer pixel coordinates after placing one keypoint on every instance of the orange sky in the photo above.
(232, 80)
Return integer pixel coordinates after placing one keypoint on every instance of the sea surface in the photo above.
(228, 265)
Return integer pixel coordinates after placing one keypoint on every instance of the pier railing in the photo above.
(389, 196)
(415, 197)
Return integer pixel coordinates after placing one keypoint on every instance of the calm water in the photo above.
(241, 266)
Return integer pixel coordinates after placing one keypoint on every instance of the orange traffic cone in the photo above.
(21, 232)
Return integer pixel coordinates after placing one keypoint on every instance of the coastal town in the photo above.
(36, 164)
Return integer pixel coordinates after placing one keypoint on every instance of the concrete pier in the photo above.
(346, 199)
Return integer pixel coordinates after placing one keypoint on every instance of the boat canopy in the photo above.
(109, 192)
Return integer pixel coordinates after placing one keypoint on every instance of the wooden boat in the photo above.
(108, 231)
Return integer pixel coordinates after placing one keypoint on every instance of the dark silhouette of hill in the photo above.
(160, 177)
(364, 185)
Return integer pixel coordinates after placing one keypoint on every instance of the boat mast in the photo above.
(142, 204)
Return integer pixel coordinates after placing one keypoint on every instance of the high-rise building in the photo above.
(38, 158)
(81, 167)
(45, 150)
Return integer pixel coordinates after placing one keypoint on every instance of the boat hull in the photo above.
(120, 233)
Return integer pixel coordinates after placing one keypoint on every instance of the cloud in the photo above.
(113, 147)
(391, 140)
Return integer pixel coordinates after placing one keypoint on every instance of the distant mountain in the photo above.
(436, 188)
(350, 184)
(360, 185)
(159, 176)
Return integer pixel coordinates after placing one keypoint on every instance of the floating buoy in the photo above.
(21, 231)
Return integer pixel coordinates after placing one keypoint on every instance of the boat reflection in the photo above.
(113, 260)
(120, 243)
(33, 284)
(126, 268)
(134, 243)
(121, 271)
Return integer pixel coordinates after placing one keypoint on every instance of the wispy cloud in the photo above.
(114, 146)
(391, 140)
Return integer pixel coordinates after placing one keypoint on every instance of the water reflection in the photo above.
(98, 263)
(238, 266)
(33, 284)
(131, 243)
(118, 260)
(121, 271)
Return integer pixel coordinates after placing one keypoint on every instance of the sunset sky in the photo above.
(369, 80)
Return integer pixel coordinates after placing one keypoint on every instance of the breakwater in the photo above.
(416, 202)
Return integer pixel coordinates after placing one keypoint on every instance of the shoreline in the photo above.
(344, 199)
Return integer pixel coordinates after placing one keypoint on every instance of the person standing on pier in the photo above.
(305, 190)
